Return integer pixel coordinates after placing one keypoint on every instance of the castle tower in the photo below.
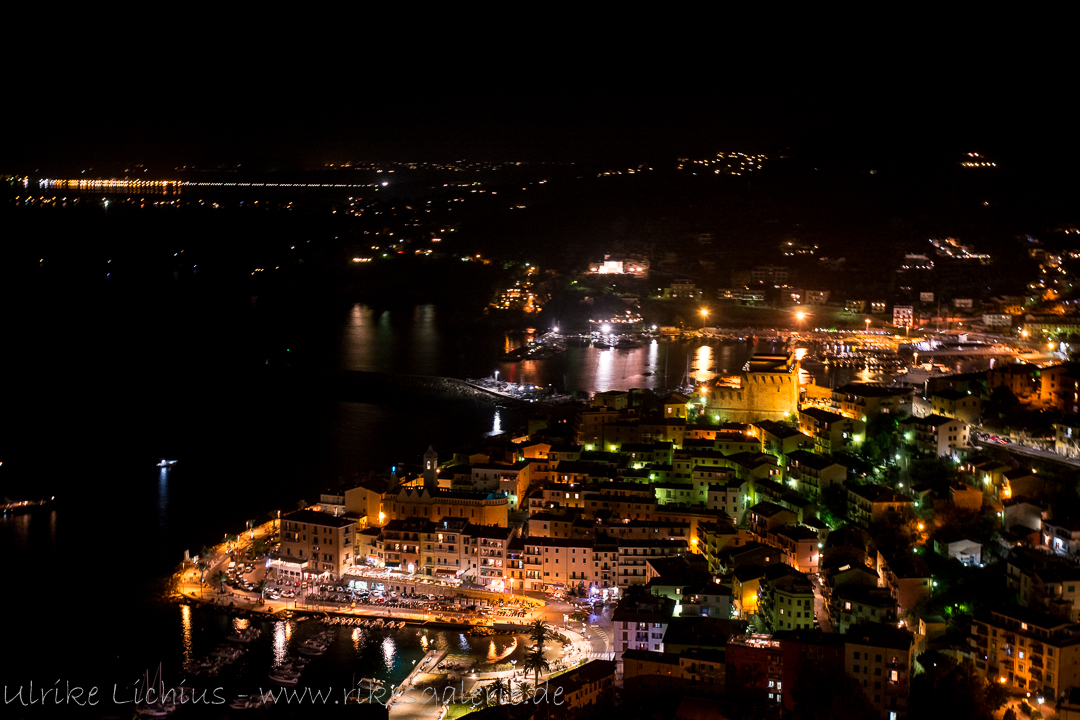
(431, 468)
(768, 389)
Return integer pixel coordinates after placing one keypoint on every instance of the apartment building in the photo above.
(881, 659)
(640, 622)
(320, 543)
(868, 401)
(633, 555)
(812, 474)
(831, 431)
(786, 599)
(1027, 651)
(957, 405)
(936, 435)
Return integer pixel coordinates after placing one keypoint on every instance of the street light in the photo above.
(704, 315)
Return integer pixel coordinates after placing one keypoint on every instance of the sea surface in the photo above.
(100, 381)
(100, 390)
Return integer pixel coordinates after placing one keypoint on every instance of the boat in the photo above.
(246, 635)
(156, 710)
(369, 685)
(163, 463)
(227, 654)
(253, 702)
(7, 505)
(282, 676)
(316, 645)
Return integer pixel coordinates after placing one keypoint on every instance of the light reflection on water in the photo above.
(389, 649)
(240, 624)
(463, 642)
(494, 654)
(605, 369)
(186, 631)
(703, 362)
(163, 500)
(282, 631)
(357, 635)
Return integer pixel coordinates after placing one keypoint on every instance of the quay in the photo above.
(429, 662)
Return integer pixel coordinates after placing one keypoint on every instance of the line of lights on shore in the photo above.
(95, 184)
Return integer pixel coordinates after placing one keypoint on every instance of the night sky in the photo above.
(277, 106)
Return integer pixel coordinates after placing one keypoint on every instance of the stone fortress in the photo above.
(767, 388)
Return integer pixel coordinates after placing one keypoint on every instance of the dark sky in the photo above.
(289, 108)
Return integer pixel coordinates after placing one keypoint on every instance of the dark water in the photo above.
(99, 388)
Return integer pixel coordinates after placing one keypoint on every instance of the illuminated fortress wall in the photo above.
(768, 389)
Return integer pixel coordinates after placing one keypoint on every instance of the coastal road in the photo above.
(1018, 449)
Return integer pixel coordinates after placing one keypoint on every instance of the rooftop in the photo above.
(315, 517)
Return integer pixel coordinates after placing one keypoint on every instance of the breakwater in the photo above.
(380, 388)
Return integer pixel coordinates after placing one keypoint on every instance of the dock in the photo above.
(429, 662)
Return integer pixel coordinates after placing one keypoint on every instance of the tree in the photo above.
(834, 501)
(937, 473)
(301, 504)
(871, 449)
(823, 693)
(953, 690)
(526, 691)
(501, 689)
(535, 661)
(541, 633)
(220, 577)
(262, 586)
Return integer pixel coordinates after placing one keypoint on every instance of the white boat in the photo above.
(245, 636)
(369, 685)
(163, 463)
(254, 702)
(285, 677)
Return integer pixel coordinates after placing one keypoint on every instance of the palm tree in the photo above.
(220, 577)
(262, 587)
(540, 633)
(229, 540)
(501, 689)
(536, 662)
(526, 690)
